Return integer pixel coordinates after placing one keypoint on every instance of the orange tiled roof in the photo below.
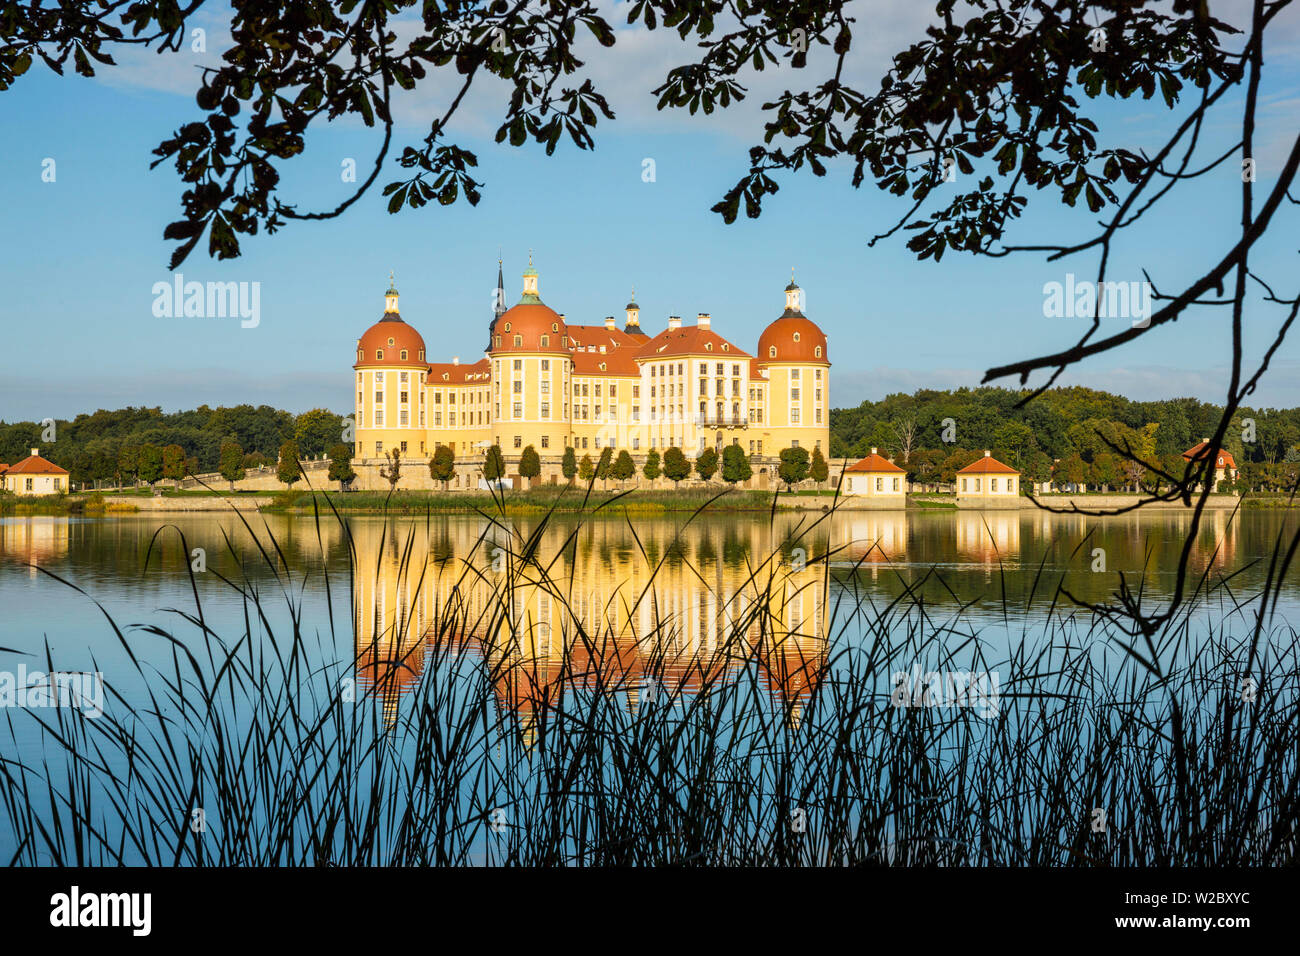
(582, 336)
(615, 362)
(1202, 449)
(35, 465)
(987, 466)
(875, 463)
(690, 340)
(449, 373)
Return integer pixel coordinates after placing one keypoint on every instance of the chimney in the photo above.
(703, 320)
(986, 453)
(873, 451)
(674, 321)
(35, 452)
(1204, 441)
(561, 316)
(609, 322)
(455, 360)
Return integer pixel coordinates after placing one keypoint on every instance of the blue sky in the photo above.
(84, 252)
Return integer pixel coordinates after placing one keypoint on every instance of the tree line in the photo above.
(1076, 435)
(145, 444)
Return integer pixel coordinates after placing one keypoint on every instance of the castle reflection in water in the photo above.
(674, 607)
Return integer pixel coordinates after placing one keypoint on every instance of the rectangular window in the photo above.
(794, 394)
(518, 410)
(379, 448)
(794, 416)
(404, 399)
(546, 409)
(519, 441)
(403, 447)
(993, 484)
(519, 365)
(379, 418)
(546, 441)
(879, 484)
(379, 398)
(518, 387)
(402, 418)
(546, 365)
(895, 484)
(636, 391)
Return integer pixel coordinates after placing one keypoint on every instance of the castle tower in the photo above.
(792, 353)
(390, 373)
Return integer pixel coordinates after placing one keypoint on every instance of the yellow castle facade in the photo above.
(551, 384)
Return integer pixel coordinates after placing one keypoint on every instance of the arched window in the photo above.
(708, 346)
(771, 351)
(379, 354)
(818, 351)
(403, 355)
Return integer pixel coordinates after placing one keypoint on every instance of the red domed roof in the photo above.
(795, 338)
(530, 327)
(390, 342)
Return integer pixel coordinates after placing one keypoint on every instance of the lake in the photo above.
(517, 614)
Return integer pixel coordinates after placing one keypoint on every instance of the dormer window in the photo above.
(796, 336)
(771, 351)
(726, 347)
(379, 355)
(507, 326)
(403, 355)
(708, 346)
(361, 355)
(546, 341)
(818, 351)
(390, 343)
(497, 341)
(555, 326)
(421, 355)
(519, 340)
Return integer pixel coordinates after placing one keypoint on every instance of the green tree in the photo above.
(624, 467)
(128, 462)
(603, 463)
(569, 463)
(530, 465)
(586, 470)
(818, 470)
(174, 462)
(706, 464)
(676, 467)
(317, 430)
(794, 466)
(341, 464)
(442, 466)
(232, 462)
(651, 467)
(392, 472)
(735, 465)
(494, 464)
(150, 465)
(289, 469)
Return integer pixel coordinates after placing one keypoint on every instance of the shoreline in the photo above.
(539, 501)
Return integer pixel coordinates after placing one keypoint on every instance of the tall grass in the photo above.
(461, 746)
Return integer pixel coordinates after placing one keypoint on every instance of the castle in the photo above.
(550, 384)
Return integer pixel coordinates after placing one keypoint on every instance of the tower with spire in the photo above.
(633, 325)
(498, 305)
